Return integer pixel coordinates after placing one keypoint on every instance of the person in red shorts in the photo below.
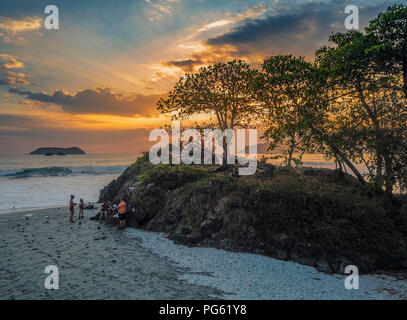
(71, 208)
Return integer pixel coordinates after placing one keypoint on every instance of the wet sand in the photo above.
(93, 263)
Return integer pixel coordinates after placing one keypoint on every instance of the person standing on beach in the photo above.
(81, 205)
(115, 208)
(104, 210)
(71, 208)
(122, 208)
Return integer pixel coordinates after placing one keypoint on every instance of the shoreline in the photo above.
(23, 210)
(134, 264)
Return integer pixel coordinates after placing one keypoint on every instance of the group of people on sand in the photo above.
(108, 208)
(116, 210)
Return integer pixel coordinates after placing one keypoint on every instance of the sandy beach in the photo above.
(93, 263)
(103, 263)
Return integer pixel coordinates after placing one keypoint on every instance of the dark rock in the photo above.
(339, 265)
(322, 265)
(210, 226)
(278, 215)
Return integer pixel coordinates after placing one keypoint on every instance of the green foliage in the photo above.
(142, 163)
(349, 104)
(389, 30)
(172, 177)
(283, 84)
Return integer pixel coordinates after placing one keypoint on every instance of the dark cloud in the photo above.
(187, 65)
(298, 33)
(13, 79)
(98, 101)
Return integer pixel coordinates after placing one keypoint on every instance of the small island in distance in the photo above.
(48, 151)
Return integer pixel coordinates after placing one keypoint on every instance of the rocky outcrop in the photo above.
(54, 150)
(316, 217)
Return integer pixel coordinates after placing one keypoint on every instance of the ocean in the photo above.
(37, 181)
(34, 181)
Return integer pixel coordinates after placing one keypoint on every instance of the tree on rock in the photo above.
(225, 90)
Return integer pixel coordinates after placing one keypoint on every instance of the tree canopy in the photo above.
(349, 104)
(225, 90)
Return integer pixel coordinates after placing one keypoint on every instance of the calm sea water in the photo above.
(33, 181)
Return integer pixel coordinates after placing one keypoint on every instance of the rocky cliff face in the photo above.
(315, 217)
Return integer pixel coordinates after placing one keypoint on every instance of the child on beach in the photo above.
(104, 210)
(71, 208)
(115, 208)
(122, 208)
(81, 205)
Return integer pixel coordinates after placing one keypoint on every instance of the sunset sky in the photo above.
(94, 83)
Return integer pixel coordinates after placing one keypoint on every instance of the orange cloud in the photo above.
(208, 54)
(11, 29)
(9, 62)
(9, 77)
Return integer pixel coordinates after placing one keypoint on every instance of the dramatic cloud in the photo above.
(300, 32)
(139, 46)
(9, 77)
(259, 32)
(98, 101)
(186, 65)
(11, 29)
(206, 55)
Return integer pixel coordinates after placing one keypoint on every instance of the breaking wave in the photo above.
(61, 171)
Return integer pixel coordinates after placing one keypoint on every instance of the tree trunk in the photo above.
(379, 171)
(405, 76)
(340, 154)
(338, 164)
(290, 153)
(219, 120)
(348, 163)
(389, 182)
